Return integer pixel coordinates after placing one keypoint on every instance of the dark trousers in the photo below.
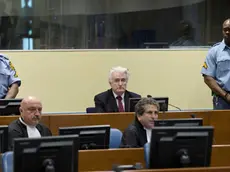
(219, 103)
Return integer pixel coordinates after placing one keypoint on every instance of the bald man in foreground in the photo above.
(28, 124)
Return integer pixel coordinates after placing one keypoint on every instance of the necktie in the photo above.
(120, 105)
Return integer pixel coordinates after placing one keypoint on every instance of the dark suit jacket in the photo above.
(106, 102)
(18, 130)
(134, 136)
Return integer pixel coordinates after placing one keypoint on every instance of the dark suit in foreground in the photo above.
(106, 102)
(18, 130)
(134, 136)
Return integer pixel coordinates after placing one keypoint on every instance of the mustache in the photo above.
(36, 117)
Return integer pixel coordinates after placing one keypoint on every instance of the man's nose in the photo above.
(37, 113)
(154, 116)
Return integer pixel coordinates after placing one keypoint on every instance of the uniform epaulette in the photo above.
(218, 43)
(3, 57)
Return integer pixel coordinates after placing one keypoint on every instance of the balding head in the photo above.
(226, 31)
(31, 109)
(227, 21)
(28, 100)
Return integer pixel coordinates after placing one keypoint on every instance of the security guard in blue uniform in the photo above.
(9, 81)
(216, 70)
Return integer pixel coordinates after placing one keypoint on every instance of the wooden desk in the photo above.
(91, 160)
(103, 160)
(6, 120)
(220, 155)
(209, 169)
(116, 120)
(218, 119)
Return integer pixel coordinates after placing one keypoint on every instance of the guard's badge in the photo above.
(13, 68)
(205, 65)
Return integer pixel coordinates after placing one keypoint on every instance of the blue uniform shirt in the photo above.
(217, 65)
(8, 75)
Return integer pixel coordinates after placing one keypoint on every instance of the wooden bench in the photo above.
(208, 169)
(6, 120)
(103, 160)
(218, 119)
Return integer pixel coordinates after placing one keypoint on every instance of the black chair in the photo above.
(90, 110)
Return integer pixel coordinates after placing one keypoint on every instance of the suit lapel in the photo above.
(39, 127)
(142, 132)
(143, 135)
(126, 100)
(112, 102)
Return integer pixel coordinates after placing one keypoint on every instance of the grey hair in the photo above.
(119, 69)
(140, 106)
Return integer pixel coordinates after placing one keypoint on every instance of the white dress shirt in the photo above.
(123, 99)
(32, 131)
(148, 134)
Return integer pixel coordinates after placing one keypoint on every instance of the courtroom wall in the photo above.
(68, 80)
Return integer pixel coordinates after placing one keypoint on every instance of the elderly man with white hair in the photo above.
(117, 98)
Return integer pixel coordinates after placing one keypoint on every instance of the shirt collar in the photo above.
(137, 122)
(21, 120)
(122, 96)
(223, 45)
(147, 129)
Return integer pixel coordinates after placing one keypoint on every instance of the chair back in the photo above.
(90, 110)
(115, 138)
(7, 162)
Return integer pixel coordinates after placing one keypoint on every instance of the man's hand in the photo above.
(227, 97)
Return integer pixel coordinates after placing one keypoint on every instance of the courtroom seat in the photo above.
(146, 154)
(90, 110)
(7, 162)
(115, 138)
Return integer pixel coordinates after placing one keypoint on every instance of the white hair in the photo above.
(119, 69)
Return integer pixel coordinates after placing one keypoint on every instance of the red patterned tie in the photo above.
(120, 105)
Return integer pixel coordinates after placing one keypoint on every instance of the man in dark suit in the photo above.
(115, 99)
(139, 131)
(28, 124)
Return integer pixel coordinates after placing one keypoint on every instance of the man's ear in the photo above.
(138, 117)
(21, 110)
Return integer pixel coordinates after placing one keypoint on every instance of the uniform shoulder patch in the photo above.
(205, 65)
(13, 68)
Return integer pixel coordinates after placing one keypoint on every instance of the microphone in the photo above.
(164, 106)
(193, 115)
(174, 106)
(92, 146)
(85, 147)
